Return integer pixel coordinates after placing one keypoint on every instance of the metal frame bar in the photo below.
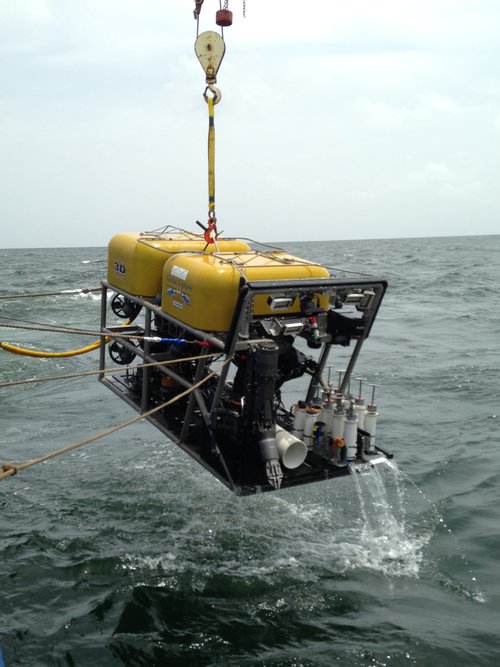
(237, 338)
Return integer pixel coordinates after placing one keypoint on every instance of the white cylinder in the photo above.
(299, 422)
(292, 451)
(338, 421)
(326, 416)
(360, 410)
(371, 426)
(350, 437)
(311, 417)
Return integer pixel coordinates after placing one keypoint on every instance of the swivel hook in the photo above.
(215, 92)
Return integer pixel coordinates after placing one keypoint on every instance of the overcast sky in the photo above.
(338, 120)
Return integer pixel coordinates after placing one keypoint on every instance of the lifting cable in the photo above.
(105, 371)
(67, 292)
(8, 469)
(40, 326)
(16, 349)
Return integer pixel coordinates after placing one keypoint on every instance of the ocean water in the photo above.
(126, 552)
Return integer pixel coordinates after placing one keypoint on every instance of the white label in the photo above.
(179, 272)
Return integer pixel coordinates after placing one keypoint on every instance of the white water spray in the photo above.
(385, 537)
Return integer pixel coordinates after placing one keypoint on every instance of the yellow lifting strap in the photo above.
(210, 48)
(211, 155)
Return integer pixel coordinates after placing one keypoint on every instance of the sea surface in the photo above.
(126, 552)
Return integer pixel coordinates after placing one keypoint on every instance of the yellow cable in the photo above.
(15, 349)
(37, 353)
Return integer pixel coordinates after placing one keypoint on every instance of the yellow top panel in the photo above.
(202, 290)
(135, 260)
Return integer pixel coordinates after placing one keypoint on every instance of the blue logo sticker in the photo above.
(175, 292)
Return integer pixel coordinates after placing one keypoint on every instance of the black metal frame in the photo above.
(236, 340)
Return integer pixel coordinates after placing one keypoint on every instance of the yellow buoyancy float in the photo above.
(201, 290)
(135, 260)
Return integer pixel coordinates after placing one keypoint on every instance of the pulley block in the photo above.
(210, 48)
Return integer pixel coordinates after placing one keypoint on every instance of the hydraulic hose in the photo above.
(37, 353)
